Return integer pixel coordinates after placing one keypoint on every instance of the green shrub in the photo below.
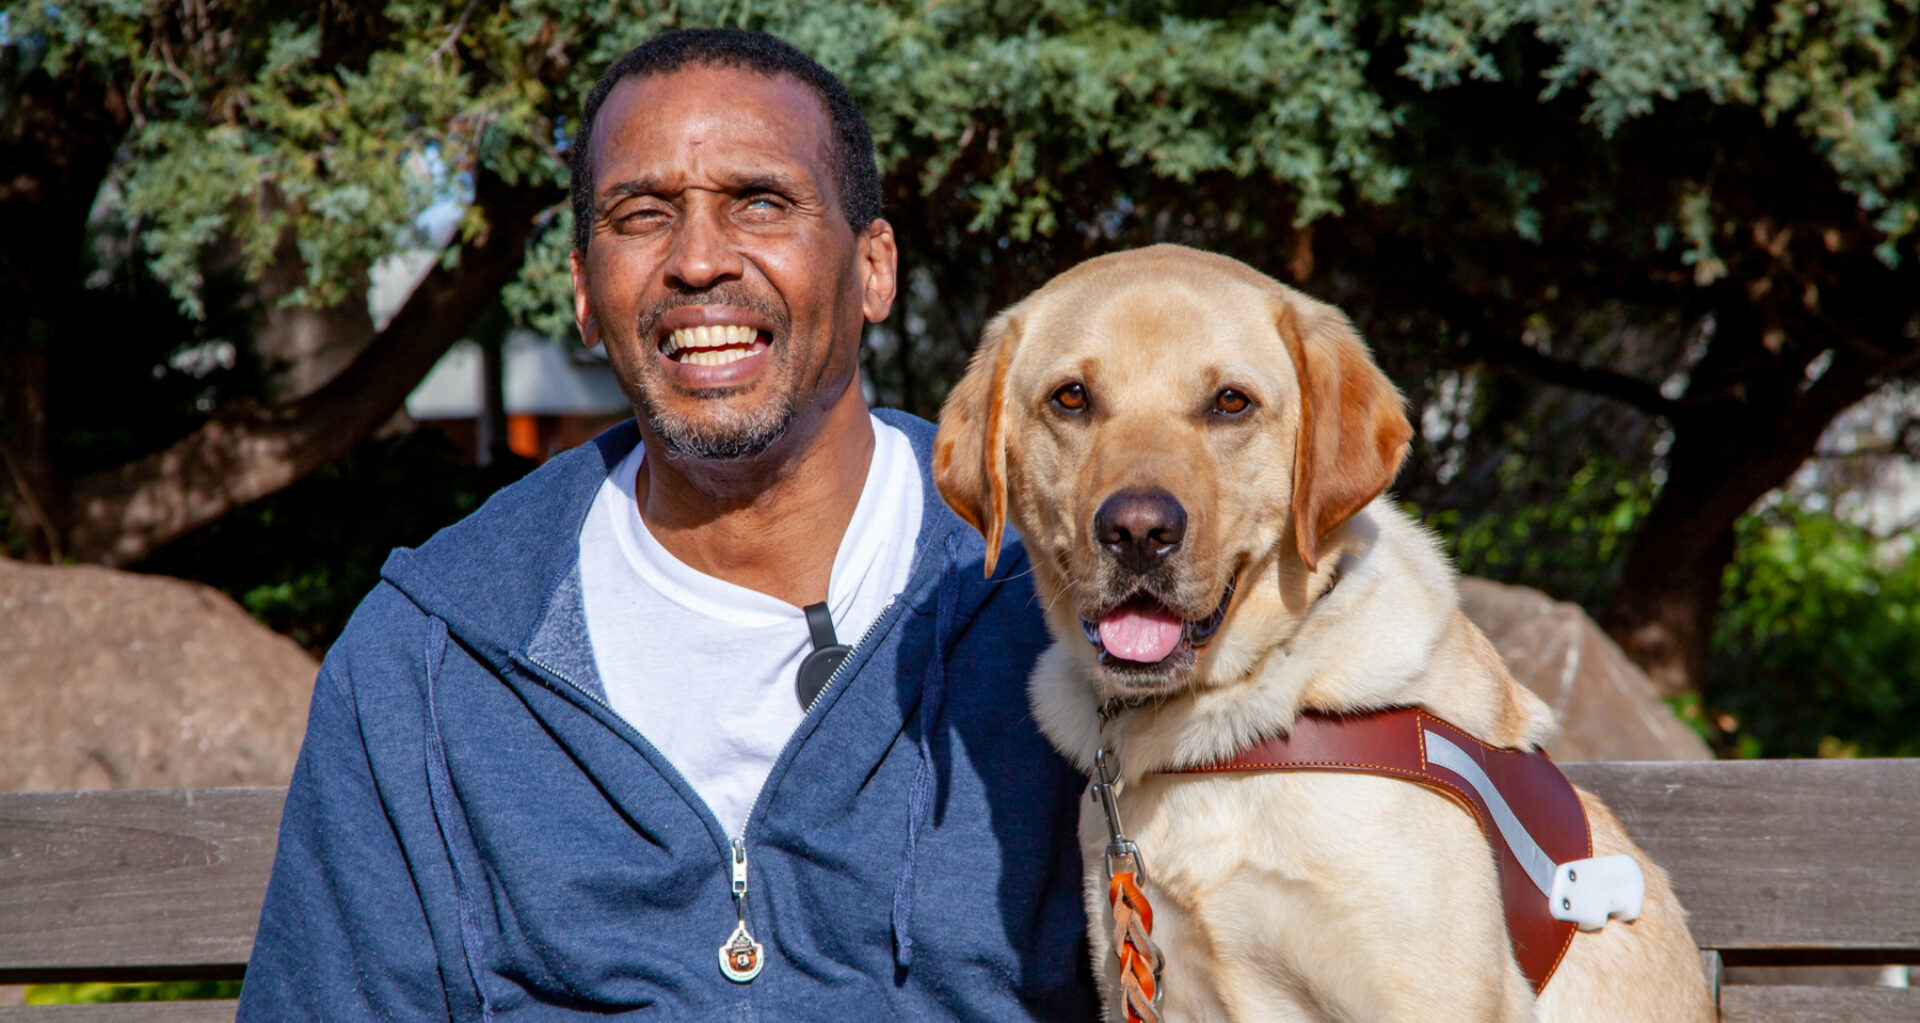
(1817, 650)
(1817, 645)
(1570, 544)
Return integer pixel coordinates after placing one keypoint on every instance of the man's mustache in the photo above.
(729, 294)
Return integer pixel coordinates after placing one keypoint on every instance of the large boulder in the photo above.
(1606, 706)
(117, 680)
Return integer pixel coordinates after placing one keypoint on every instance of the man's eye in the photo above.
(638, 219)
(1071, 398)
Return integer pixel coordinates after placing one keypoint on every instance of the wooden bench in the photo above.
(1781, 863)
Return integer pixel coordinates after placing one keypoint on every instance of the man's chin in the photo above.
(721, 438)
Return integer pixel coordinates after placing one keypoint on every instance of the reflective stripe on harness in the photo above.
(1526, 808)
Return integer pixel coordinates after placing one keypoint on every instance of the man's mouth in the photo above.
(712, 344)
(1142, 631)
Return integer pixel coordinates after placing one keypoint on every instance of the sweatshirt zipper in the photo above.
(741, 957)
(825, 688)
(872, 628)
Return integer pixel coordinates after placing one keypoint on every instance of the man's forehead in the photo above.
(661, 113)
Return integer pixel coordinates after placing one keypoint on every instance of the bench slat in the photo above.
(1777, 857)
(1762, 1004)
(117, 884)
(125, 1012)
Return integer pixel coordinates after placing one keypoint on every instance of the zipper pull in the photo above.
(740, 957)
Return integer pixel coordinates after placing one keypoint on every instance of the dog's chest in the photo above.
(1302, 894)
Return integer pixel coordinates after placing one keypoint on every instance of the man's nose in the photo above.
(703, 254)
(1140, 528)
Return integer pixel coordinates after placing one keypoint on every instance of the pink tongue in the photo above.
(1133, 634)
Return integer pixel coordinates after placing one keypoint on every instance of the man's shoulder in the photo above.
(918, 431)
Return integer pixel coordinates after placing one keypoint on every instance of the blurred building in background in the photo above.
(551, 396)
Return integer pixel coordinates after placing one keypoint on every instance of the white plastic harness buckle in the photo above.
(1589, 891)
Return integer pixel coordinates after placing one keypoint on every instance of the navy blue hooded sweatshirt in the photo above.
(472, 834)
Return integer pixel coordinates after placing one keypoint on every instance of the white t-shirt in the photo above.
(705, 669)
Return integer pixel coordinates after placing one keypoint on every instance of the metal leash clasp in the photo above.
(1122, 855)
(1140, 993)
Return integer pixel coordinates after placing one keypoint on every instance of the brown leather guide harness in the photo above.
(1528, 789)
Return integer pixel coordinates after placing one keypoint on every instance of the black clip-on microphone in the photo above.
(827, 654)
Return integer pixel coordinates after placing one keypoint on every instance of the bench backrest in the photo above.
(132, 885)
(1779, 863)
(1785, 863)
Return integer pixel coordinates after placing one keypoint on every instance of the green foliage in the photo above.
(349, 121)
(1567, 543)
(1819, 639)
(1819, 632)
(163, 991)
(1843, 74)
(542, 296)
(266, 128)
(1627, 55)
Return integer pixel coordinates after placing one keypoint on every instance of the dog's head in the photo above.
(1159, 424)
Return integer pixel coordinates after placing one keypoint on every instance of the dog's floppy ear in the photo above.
(970, 451)
(1353, 427)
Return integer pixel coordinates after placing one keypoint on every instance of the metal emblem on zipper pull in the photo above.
(741, 957)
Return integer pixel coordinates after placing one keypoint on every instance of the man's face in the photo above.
(721, 272)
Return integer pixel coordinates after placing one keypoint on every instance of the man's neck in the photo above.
(772, 523)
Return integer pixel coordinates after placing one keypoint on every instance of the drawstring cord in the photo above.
(440, 785)
(933, 689)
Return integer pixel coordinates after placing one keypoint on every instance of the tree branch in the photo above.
(121, 515)
(32, 505)
(1632, 390)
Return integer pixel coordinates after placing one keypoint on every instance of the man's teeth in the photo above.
(714, 345)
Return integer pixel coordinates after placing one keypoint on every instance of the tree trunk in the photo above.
(1663, 612)
(27, 480)
(57, 140)
(300, 347)
(121, 515)
(1726, 455)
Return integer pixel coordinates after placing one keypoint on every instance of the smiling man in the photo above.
(715, 716)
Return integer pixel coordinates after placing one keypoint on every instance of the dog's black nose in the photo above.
(1140, 527)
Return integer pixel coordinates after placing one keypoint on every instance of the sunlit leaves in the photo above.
(1845, 74)
(359, 123)
(1818, 634)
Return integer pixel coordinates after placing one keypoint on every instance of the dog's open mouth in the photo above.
(1143, 633)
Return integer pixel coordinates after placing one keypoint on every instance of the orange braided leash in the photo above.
(1132, 944)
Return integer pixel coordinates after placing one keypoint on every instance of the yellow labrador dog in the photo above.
(1195, 455)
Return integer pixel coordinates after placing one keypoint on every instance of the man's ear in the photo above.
(879, 265)
(970, 451)
(1353, 425)
(582, 309)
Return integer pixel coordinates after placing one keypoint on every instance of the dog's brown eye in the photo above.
(1072, 397)
(1231, 402)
